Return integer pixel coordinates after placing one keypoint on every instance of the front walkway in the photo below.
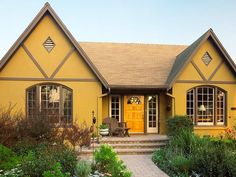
(142, 166)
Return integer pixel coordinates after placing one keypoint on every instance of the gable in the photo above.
(207, 55)
(47, 25)
(216, 70)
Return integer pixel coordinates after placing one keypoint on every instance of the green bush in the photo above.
(83, 168)
(44, 155)
(178, 123)
(107, 161)
(189, 155)
(55, 172)
(8, 159)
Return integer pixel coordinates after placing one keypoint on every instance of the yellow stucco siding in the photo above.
(75, 67)
(224, 74)
(105, 107)
(189, 73)
(20, 65)
(85, 97)
(48, 61)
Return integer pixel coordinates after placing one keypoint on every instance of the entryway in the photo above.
(134, 113)
(141, 113)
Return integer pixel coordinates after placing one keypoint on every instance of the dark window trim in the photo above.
(215, 106)
(61, 86)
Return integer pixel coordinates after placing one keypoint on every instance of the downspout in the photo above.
(173, 98)
(100, 96)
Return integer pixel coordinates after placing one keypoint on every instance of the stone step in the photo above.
(132, 141)
(89, 152)
(133, 145)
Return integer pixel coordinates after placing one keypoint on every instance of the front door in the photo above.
(134, 113)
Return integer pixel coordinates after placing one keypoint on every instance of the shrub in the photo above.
(55, 172)
(103, 126)
(8, 125)
(44, 155)
(77, 135)
(178, 123)
(83, 168)
(8, 159)
(107, 161)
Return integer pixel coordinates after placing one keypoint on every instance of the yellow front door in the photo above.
(134, 113)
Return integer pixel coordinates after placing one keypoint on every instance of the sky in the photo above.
(129, 21)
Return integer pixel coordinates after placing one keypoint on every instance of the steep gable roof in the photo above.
(184, 57)
(48, 9)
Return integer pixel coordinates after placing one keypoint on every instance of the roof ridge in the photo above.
(132, 43)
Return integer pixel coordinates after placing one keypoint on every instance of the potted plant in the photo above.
(104, 130)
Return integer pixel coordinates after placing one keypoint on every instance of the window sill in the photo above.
(207, 127)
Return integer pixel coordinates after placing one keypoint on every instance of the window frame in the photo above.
(61, 106)
(215, 106)
(110, 106)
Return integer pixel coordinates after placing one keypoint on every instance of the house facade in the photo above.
(47, 70)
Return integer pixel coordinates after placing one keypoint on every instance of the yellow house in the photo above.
(47, 70)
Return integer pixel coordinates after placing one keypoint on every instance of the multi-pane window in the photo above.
(115, 107)
(190, 104)
(206, 105)
(152, 111)
(52, 101)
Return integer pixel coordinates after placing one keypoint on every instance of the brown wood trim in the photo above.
(34, 61)
(62, 62)
(216, 69)
(122, 108)
(198, 70)
(138, 86)
(48, 79)
(205, 82)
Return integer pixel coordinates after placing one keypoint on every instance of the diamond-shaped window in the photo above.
(206, 58)
(49, 44)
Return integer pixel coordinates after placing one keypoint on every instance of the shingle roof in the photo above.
(133, 65)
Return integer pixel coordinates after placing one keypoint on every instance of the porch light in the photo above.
(202, 108)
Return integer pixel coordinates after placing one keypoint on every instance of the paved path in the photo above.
(142, 166)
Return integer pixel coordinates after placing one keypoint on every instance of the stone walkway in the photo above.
(142, 166)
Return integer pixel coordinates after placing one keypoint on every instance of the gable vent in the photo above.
(206, 58)
(49, 44)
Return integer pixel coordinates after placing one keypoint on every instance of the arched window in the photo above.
(134, 100)
(206, 105)
(51, 100)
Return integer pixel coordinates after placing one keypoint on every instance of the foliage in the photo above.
(55, 172)
(8, 159)
(189, 155)
(107, 161)
(178, 123)
(78, 135)
(103, 126)
(83, 168)
(38, 160)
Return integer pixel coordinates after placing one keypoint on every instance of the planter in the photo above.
(104, 132)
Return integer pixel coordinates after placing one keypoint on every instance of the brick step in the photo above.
(89, 152)
(133, 145)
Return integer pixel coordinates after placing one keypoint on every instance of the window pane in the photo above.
(152, 111)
